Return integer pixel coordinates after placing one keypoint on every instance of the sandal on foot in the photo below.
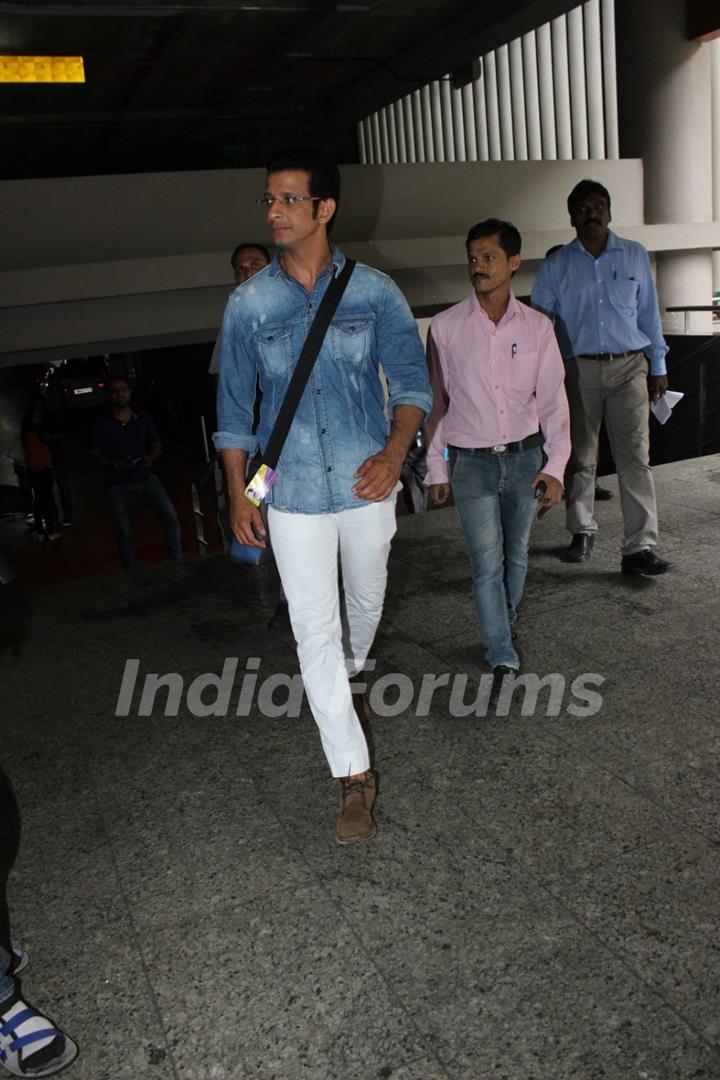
(30, 1045)
(18, 961)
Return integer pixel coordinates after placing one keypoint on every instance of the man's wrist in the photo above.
(396, 453)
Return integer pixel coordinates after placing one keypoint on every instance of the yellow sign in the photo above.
(42, 69)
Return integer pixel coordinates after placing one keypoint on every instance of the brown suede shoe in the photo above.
(356, 820)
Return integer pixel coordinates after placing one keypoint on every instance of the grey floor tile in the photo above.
(687, 790)
(658, 910)
(426, 1069)
(281, 989)
(92, 984)
(544, 802)
(209, 846)
(543, 1001)
(631, 728)
(64, 872)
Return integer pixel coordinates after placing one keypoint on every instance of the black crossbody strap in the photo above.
(301, 374)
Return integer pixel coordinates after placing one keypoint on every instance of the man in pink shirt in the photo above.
(498, 378)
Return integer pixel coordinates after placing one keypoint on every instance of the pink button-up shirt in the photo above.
(495, 384)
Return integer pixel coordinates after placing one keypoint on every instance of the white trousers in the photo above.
(306, 551)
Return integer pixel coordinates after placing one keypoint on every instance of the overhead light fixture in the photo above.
(468, 73)
(42, 69)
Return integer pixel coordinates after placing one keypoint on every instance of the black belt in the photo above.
(528, 443)
(607, 355)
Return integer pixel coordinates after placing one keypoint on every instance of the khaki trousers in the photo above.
(617, 390)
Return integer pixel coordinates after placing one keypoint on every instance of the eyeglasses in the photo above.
(286, 200)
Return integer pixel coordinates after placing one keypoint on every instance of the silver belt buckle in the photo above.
(501, 448)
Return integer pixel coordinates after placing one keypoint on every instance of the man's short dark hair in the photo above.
(585, 188)
(242, 247)
(322, 170)
(119, 378)
(509, 237)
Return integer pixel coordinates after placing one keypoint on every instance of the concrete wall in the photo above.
(108, 263)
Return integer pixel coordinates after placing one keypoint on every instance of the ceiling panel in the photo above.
(191, 85)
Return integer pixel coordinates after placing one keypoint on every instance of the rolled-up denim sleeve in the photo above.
(236, 387)
(401, 352)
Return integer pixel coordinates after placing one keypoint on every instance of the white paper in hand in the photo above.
(663, 407)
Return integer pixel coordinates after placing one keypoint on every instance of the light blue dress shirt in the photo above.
(341, 419)
(602, 305)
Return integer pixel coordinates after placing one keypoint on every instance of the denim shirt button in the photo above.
(329, 468)
(323, 431)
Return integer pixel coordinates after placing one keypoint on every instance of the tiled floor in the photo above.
(541, 902)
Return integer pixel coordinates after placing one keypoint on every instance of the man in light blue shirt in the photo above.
(600, 293)
(339, 470)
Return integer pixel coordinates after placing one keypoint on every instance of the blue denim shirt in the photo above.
(341, 419)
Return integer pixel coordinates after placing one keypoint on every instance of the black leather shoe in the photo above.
(602, 494)
(580, 547)
(645, 562)
(280, 618)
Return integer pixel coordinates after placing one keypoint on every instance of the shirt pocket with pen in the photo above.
(623, 293)
(521, 371)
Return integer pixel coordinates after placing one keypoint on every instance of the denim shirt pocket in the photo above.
(351, 339)
(274, 345)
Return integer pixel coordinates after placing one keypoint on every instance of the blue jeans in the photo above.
(7, 983)
(123, 499)
(496, 504)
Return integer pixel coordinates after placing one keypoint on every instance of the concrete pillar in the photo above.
(517, 94)
(418, 126)
(492, 106)
(481, 120)
(409, 125)
(427, 128)
(532, 96)
(400, 131)
(578, 84)
(561, 81)
(470, 132)
(594, 78)
(502, 57)
(361, 141)
(664, 96)
(547, 92)
(610, 79)
(392, 134)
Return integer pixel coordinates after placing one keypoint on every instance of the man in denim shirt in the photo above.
(340, 467)
(600, 293)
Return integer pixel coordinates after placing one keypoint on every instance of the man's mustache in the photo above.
(593, 221)
(479, 274)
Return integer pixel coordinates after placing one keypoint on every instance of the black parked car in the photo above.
(81, 383)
